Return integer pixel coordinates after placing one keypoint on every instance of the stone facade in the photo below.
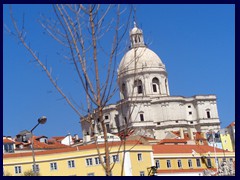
(145, 102)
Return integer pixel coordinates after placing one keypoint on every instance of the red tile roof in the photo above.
(42, 145)
(58, 138)
(8, 141)
(173, 141)
(70, 149)
(232, 124)
(183, 149)
(199, 136)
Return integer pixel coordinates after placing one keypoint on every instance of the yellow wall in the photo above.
(185, 157)
(226, 142)
(81, 169)
(174, 163)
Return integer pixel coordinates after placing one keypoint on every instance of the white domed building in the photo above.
(146, 105)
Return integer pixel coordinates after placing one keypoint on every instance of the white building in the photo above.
(146, 104)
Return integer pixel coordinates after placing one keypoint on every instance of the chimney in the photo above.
(76, 136)
(87, 138)
(181, 133)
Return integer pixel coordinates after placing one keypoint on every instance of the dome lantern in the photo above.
(136, 37)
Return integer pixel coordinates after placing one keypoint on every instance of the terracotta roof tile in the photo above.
(173, 141)
(8, 141)
(232, 124)
(183, 149)
(68, 149)
(58, 138)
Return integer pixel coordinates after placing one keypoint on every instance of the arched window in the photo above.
(141, 116)
(208, 113)
(123, 90)
(138, 85)
(155, 85)
(135, 39)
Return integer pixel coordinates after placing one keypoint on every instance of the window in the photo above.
(139, 156)
(108, 127)
(208, 114)
(138, 85)
(139, 89)
(18, 169)
(190, 163)
(123, 87)
(97, 160)
(198, 162)
(179, 162)
(104, 159)
(37, 168)
(106, 117)
(115, 158)
(8, 148)
(168, 163)
(141, 173)
(157, 164)
(191, 122)
(158, 123)
(154, 88)
(189, 106)
(231, 159)
(155, 84)
(53, 166)
(176, 121)
(141, 117)
(71, 164)
(209, 163)
(90, 174)
(89, 162)
(189, 112)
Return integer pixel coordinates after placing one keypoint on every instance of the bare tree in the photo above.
(83, 30)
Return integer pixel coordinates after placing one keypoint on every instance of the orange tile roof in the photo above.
(39, 137)
(183, 149)
(42, 145)
(8, 141)
(69, 149)
(199, 136)
(232, 124)
(163, 141)
(58, 138)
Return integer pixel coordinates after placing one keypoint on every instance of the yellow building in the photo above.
(226, 142)
(188, 160)
(82, 160)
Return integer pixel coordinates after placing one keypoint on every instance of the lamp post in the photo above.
(41, 120)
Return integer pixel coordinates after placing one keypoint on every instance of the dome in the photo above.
(138, 58)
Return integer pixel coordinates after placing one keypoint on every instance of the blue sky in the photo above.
(195, 42)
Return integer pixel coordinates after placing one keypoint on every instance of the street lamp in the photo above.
(41, 120)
